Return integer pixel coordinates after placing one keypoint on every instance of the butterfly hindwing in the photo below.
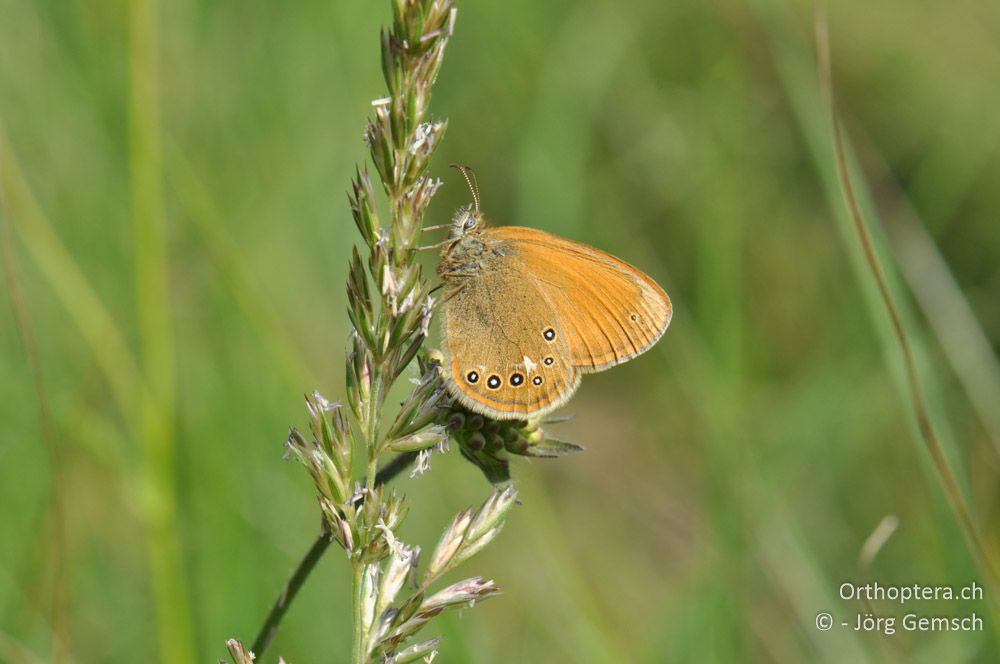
(499, 361)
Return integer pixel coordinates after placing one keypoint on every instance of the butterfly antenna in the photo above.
(470, 179)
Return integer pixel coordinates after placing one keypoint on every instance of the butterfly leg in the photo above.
(434, 246)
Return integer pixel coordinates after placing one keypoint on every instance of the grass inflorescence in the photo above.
(390, 308)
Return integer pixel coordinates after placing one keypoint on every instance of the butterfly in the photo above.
(528, 312)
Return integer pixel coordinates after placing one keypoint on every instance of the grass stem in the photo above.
(269, 628)
(932, 444)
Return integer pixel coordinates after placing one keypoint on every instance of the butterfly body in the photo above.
(528, 312)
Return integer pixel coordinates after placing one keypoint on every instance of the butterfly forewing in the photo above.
(608, 310)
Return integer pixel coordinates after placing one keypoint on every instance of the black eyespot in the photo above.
(472, 377)
(516, 379)
(537, 380)
(634, 317)
(548, 361)
(549, 334)
(493, 382)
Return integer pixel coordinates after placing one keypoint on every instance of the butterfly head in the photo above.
(468, 221)
(467, 244)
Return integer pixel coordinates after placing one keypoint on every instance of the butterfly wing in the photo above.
(497, 361)
(608, 310)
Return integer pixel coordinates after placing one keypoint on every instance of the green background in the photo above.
(732, 474)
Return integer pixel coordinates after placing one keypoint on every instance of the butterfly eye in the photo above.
(469, 223)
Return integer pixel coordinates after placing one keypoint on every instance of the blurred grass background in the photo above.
(175, 238)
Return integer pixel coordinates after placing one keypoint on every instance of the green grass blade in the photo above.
(85, 307)
(199, 209)
(156, 428)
